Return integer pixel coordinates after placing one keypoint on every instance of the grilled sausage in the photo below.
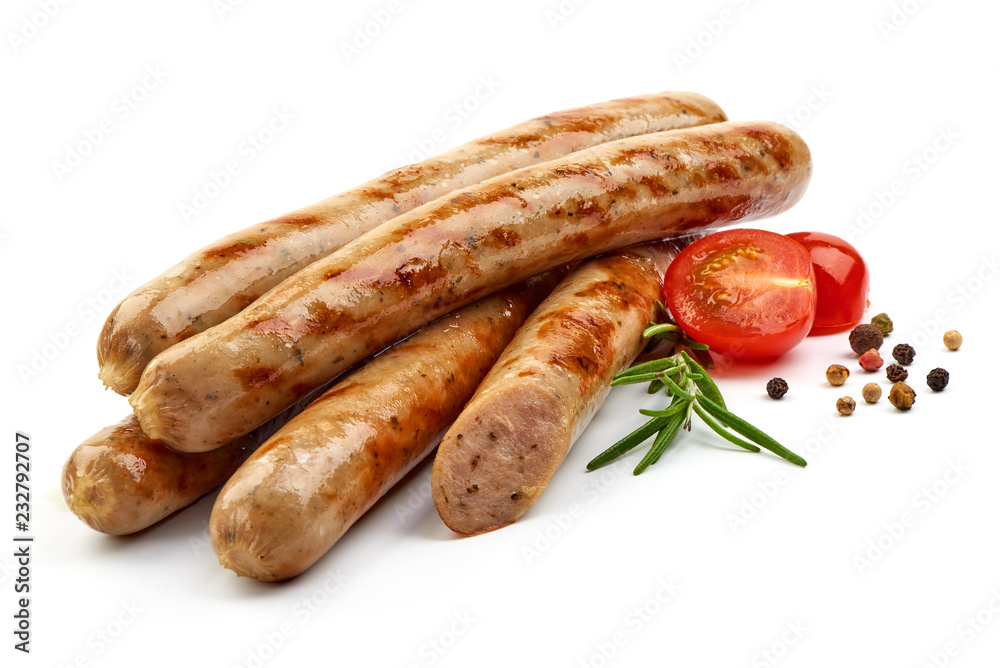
(220, 384)
(219, 280)
(120, 481)
(297, 495)
(502, 451)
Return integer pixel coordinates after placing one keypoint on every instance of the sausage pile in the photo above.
(498, 286)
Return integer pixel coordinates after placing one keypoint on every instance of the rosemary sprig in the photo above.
(692, 392)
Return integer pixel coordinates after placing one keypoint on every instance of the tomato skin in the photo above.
(746, 293)
(841, 281)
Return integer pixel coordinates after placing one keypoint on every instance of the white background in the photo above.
(867, 95)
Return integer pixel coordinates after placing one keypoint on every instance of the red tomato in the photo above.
(841, 281)
(748, 294)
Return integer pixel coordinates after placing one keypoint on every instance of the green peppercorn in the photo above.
(883, 322)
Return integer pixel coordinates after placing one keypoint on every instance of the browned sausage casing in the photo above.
(504, 448)
(217, 385)
(297, 495)
(219, 280)
(120, 481)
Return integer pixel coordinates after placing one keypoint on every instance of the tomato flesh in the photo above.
(841, 281)
(747, 294)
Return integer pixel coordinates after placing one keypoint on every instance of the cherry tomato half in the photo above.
(748, 294)
(841, 281)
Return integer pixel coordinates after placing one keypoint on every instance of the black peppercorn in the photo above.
(776, 388)
(864, 338)
(896, 373)
(904, 353)
(937, 379)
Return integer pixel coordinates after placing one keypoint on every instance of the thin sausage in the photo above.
(504, 448)
(223, 278)
(297, 495)
(220, 384)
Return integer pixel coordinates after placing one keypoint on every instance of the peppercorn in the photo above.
(902, 396)
(952, 340)
(776, 388)
(904, 353)
(871, 360)
(845, 405)
(937, 379)
(871, 392)
(837, 374)
(883, 322)
(896, 373)
(864, 338)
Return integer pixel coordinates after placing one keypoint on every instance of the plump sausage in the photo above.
(120, 481)
(502, 451)
(219, 280)
(220, 384)
(297, 495)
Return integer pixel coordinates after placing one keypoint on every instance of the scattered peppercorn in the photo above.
(902, 396)
(896, 373)
(837, 374)
(864, 338)
(904, 353)
(776, 388)
(871, 360)
(871, 392)
(845, 405)
(883, 322)
(937, 379)
(952, 340)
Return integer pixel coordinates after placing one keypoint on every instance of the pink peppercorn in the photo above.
(871, 360)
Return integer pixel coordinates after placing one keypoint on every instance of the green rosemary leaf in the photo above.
(705, 383)
(662, 328)
(675, 389)
(648, 367)
(634, 439)
(674, 408)
(746, 429)
(638, 378)
(663, 439)
(721, 431)
(654, 386)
